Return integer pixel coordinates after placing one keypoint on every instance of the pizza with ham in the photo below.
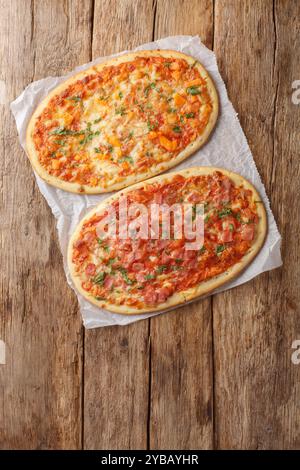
(122, 121)
(135, 275)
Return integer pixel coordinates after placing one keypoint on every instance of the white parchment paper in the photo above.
(227, 148)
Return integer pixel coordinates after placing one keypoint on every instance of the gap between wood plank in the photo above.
(92, 17)
(154, 8)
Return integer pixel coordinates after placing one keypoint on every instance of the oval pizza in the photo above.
(139, 272)
(122, 121)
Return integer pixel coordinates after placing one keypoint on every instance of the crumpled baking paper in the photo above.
(227, 148)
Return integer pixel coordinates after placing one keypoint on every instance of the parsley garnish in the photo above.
(162, 268)
(126, 159)
(77, 99)
(193, 90)
(220, 249)
(225, 212)
(99, 278)
(121, 111)
(190, 115)
(125, 276)
(177, 129)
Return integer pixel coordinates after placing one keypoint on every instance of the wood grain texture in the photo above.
(116, 368)
(40, 386)
(181, 407)
(256, 385)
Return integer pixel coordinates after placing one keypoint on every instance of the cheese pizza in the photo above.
(137, 274)
(122, 121)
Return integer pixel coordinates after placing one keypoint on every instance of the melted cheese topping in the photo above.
(124, 119)
(139, 273)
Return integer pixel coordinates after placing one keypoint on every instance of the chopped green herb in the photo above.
(149, 276)
(111, 261)
(63, 131)
(97, 150)
(162, 268)
(178, 260)
(148, 88)
(109, 148)
(193, 90)
(100, 298)
(121, 111)
(190, 115)
(77, 99)
(99, 278)
(97, 120)
(220, 249)
(177, 129)
(202, 250)
(224, 212)
(167, 64)
(231, 227)
(176, 268)
(120, 95)
(126, 159)
(206, 219)
(151, 126)
(125, 276)
(181, 119)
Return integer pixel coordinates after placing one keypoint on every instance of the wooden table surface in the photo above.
(214, 374)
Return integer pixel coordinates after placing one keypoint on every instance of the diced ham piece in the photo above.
(162, 294)
(178, 253)
(139, 254)
(128, 259)
(226, 183)
(226, 236)
(150, 296)
(194, 196)
(165, 258)
(140, 276)
(108, 282)
(78, 243)
(90, 269)
(89, 238)
(247, 232)
(189, 254)
(136, 267)
(157, 198)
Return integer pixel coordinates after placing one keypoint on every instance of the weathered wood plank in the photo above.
(116, 359)
(181, 342)
(40, 386)
(256, 385)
